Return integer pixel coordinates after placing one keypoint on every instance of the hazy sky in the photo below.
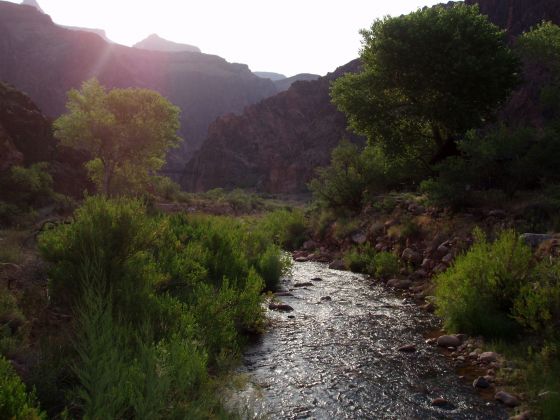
(288, 36)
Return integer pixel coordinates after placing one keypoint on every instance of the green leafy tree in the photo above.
(426, 78)
(126, 131)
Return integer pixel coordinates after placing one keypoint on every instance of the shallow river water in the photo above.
(338, 359)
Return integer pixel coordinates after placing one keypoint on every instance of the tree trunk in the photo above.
(447, 149)
(107, 176)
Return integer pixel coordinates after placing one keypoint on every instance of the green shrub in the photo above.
(11, 324)
(165, 187)
(109, 241)
(476, 295)
(360, 259)
(15, 402)
(537, 305)
(287, 228)
(385, 265)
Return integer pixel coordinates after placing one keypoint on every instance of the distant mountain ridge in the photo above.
(155, 43)
(270, 75)
(45, 61)
(275, 145)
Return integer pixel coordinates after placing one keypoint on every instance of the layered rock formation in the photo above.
(517, 16)
(45, 61)
(275, 145)
(156, 43)
(270, 75)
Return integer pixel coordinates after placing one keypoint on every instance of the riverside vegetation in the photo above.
(145, 312)
(448, 156)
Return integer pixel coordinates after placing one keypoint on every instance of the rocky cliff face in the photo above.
(26, 138)
(519, 15)
(45, 61)
(275, 145)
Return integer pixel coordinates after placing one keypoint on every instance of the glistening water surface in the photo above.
(338, 358)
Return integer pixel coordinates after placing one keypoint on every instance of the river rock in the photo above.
(440, 268)
(481, 382)
(506, 399)
(448, 341)
(399, 284)
(439, 402)
(408, 348)
(337, 265)
(497, 213)
(306, 284)
(443, 249)
(488, 357)
(283, 294)
(525, 415)
(281, 307)
(411, 256)
(359, 238)
(326, 298)
(301, 259)
(448, 259)
(309, 245)
(535, 239)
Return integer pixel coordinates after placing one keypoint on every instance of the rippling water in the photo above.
(337, 359)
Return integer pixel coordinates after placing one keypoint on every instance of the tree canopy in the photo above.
(127, 132)
(426, 78)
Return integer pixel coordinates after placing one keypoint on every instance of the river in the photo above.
(338, 358)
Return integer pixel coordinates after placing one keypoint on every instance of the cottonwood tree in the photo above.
(127, 132)
(426, 78)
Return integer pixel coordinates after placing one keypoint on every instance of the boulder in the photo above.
(399, 284)
(481, 382)
(448, 341)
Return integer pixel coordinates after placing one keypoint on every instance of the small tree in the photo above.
(126, 131)
(427, 77)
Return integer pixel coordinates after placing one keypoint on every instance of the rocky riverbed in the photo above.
(342, 347)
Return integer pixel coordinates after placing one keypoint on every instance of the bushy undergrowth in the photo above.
(366, 260)
(497, 287)
(159, 303)
(15, 402)
(287, 228)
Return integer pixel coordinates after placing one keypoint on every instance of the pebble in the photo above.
(508, 399)
(301, 259)
(317, 279)
(326, 298)
(431, 341)
(407, 348)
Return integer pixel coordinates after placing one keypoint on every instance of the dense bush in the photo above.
(15, 402)
(24, 189)
(11, 324)
(504, 159)
(498, 287)
(158, 302)
(287, 228)
(477, 294)
(366, 260)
